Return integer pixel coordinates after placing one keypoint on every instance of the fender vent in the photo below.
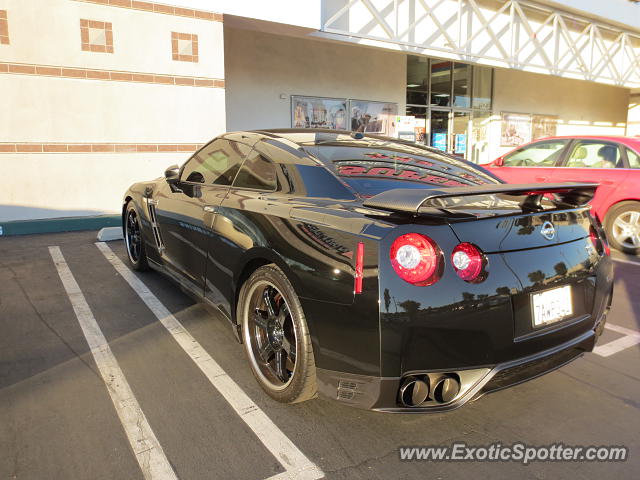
(151, 206)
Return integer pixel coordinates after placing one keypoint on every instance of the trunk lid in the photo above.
(524, 231)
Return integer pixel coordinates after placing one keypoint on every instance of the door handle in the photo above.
(540, 179)
(210, 208)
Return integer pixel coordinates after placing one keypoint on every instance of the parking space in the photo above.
(187, 382)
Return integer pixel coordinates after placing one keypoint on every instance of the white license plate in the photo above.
(551, 306)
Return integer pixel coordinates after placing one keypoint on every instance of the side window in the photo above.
(633, 158)
(257, 172)
(215, 164)
(541, 154)
(594, 154)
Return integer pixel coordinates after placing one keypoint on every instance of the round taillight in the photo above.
(467, 261)
(416, 259)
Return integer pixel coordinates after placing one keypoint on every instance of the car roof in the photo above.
(318, 136)
(626, 140)
(308, 137)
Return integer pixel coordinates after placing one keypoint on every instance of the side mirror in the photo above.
(172, 174)
(499, 162)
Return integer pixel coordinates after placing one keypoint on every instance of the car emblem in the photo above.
(548, 231)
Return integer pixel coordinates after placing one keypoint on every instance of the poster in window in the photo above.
(516, 129)
(543, 126)
(460, 143)
(405, 127)
(439, 141)
(318, 112)
(373, 117)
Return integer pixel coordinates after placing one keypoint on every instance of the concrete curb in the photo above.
(109, 234)
(55, 225)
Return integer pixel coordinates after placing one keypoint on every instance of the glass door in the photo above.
(460, 133)
(420, 123)
(479, 146)
(439, 131)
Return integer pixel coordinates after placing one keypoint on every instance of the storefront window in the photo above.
(417, 80)
(440, 83)
(482, 80)
(449, 104)
(462, 85)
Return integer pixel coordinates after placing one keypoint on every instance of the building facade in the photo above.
(97, 94)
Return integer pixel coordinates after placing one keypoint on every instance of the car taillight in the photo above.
(416, 258)
(601, 233)
(357, 281)
(601, 246)
(467, 261)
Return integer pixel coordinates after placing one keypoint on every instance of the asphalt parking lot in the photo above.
(198, 413)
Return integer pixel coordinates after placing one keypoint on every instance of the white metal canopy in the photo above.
(514, 34)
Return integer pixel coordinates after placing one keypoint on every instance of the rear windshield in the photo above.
(370, 171)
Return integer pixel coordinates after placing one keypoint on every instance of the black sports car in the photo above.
(380, 273)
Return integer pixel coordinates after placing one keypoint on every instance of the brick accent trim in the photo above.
(155, 7)
(109, 75)
(188, 37)
(97, 147)
(4, 28)
(87, 46)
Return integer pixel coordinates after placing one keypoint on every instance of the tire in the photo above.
(622, 226)
(276, 337)
(133, 240)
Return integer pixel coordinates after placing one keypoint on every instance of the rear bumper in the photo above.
(381, 393)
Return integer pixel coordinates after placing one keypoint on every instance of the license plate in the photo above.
(551, 306)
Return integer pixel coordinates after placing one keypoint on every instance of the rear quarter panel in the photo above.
(314, 243)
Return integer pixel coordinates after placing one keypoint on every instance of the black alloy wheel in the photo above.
(133, 240)
(275, 336)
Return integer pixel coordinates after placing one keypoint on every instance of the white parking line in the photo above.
(622, 330)
(631, 338)
(147, 450)
(296, 464)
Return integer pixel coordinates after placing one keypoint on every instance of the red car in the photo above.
(613, 162)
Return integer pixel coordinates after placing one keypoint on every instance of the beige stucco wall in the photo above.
(260, 67)
(583, 108)
(46, 109)
(48, 32)
(72, 185)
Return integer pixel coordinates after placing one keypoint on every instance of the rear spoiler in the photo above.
(410, 200)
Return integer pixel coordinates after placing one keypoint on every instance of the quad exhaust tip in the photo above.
(429, 389)
(414, 391)
(445, 389)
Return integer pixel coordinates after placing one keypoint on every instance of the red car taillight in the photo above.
(601, 235)
(467, 261)
(357, 281)
(416, 258)
(601, 246)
